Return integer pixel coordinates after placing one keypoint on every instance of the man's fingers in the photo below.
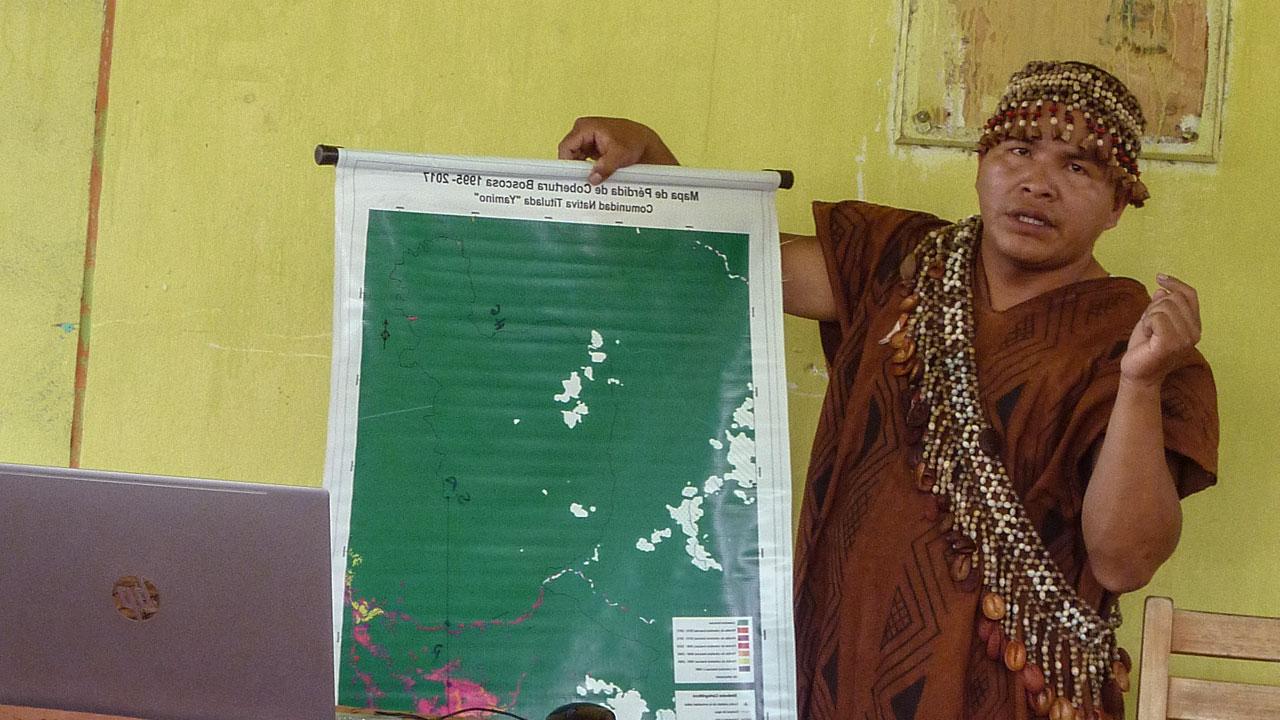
(584, 140)
(1178, 303)
(576, 145)
(1172, 326)
(610, 156)
(605, 166)
(587, 141)
(1169, 328)
(1178, 287)
(613, 143)
(586, 145)
(1174, 293)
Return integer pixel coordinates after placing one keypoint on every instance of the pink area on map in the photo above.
(371, 690)
(407, 681)
(360, 633)
(458, 693)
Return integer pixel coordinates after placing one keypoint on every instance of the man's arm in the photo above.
(615, 143)
(806, 289)
(1131, 516)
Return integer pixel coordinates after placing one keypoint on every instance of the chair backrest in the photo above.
(1167, 631)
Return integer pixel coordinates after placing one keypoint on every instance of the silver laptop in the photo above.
(164, 598)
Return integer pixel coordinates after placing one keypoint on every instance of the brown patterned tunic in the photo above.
(882, 630)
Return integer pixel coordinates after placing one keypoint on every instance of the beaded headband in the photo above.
(1067, 93)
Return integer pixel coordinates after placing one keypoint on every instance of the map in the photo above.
(556, 488)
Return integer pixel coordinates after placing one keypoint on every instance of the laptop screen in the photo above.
(161, 597)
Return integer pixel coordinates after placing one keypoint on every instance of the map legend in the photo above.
(713, 650)
(716, 705)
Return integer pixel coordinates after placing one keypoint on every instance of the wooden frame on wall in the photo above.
(955, 57)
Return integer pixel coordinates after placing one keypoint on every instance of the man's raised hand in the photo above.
(1166, 333)
(613, 143)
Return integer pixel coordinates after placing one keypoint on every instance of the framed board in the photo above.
(955, 57)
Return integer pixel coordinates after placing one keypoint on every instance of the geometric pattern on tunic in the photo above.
(911, 629)
(1176, 404)
(820, 632)
(977, 686)
(830, 672)
(861, 500)
(1101, 306)
(899, 619)
(905, 703)
(818, 486)
(1022, 331)
(1006, 403)
(1118, 350)
(878, 447)
(871, 433)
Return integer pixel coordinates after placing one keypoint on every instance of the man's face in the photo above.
(1044, 203)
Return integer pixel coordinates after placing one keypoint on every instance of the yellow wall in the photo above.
(48, 77)
(211, 332)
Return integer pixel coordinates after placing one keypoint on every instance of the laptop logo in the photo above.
(136, 598)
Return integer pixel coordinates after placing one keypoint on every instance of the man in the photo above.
(1007, 431)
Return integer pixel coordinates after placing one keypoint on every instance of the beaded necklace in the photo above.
(1031, 617)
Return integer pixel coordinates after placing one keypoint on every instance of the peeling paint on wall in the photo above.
(960, 54)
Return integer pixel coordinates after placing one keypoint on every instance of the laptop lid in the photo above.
(162, 598)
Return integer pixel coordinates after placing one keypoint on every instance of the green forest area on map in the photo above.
(554, 457)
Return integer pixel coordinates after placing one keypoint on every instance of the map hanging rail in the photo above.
(328, 155)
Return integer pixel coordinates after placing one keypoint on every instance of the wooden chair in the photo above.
(1166, 631)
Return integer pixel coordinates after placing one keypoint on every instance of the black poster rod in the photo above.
(327, 154)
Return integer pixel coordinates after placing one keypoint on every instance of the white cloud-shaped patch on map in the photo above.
(574, 416)
(740, 455)
(650, 543)
(744, 416)
(702, 558)
(625, 704)
(742, 450)
(687, 516)
(592, 686)
(574, 386)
